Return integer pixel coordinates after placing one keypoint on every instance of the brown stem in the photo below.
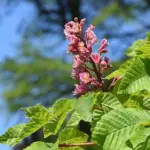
(77, 144)
(97, 108)
(88, 67)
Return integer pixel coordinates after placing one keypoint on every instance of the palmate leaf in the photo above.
(11, 137)
(60, 110)
(118, 126)
(122, 70)
(137, 78)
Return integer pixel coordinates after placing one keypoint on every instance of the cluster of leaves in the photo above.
(120, 120)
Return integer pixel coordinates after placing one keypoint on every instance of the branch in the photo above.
(77, 144)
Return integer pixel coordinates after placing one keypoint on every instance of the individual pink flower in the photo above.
(80, 89)
(115, 81)
(108, 62)
(85, 77)
(104, 44)
(77, 61)
(73, 45)
(103, 64)
(74, 28)
(82, 48)
(96, 58)
(76, 72)
(90, 35)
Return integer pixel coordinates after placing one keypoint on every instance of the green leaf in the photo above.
(36, 111)
(146, 102)
(63, 105)
(53, 126)
(84, 106)
(135, 101)
(118, 126)
(140, 135)
(137, 78)
(140, 47)
(42, 146)
(11, 137)
(39, 116)
(74, 120)
(122, 70)
(60, 109)
(145, 145)
(33, 125)
(104, 103)
(132, 50)
(72, 135)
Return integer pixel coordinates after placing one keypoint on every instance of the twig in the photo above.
(97, 108)
(77, 144)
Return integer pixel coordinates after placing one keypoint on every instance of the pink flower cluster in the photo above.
(87, 66)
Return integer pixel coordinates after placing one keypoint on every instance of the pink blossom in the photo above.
(103, 64)
(96, 58)
(73, 45)
(104, 44)
(80, 89)
(117, 78)
(73, 28)
(77, 61)
(115, 81)
(90, 35)
(108, 62)
(88, 72)
(82, 48)
(76, 72)
(85, 77)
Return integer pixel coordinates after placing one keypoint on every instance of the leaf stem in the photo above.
(77, 144)
(98, 108)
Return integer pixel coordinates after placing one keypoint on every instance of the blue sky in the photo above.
(9, 38)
